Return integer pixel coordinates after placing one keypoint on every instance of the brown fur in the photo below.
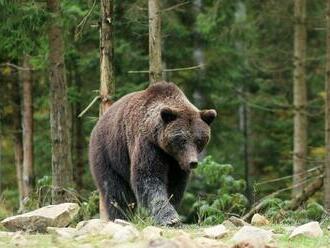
(142, 149)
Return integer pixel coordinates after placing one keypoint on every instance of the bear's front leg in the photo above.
(149, 182)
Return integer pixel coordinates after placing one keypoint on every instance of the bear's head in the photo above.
(184, 134)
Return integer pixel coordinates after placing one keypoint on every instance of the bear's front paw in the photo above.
(168, 218)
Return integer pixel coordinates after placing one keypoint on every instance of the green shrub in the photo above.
(213, 194)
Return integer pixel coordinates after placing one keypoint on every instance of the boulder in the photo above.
(311, 229)
(252, 237)
(259, 220)
(59, 215)
(215, 232)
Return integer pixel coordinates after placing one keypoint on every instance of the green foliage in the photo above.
(213, 193)
(275, 210)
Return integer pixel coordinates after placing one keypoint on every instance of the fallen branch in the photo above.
(305, 194)
(261, 204)
(174, 69)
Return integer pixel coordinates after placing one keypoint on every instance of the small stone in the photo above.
(59, 215)
(122, 222)
(91, 227)
(311, 229)
(237, 221)
(64, 232)
(210, 243)
(126, 234)
(259, 220)
(151, 232)
(215, 232)
(249, 236)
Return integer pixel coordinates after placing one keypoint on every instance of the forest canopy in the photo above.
(263, 65)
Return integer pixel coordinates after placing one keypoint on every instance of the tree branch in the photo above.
(174, 69)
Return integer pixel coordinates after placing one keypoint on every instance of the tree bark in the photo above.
(78, 139)
(300, 96)
(327, 114)
(155, 49)
(62, 178)
(18, 145)
(28, 176)
(107, 84)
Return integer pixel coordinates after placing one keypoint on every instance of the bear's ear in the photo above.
(208, 115)
(168, 114)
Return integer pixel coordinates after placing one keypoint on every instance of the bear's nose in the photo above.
(193, 164)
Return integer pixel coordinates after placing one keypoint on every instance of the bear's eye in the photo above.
(179, 141)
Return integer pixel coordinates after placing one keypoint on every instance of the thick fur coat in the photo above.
(143, 149)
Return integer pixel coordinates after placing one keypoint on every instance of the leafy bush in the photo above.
(275, 210)
(213, 194)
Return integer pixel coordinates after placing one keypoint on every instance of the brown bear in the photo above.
(143, 149)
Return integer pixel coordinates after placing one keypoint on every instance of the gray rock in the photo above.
(252, 237)
(215, 232)
(259, 220)
(229, 225)
(311, 229)
(59, 215)
(90, 227)
(237, 221)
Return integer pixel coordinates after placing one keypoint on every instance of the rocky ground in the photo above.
(46, 227)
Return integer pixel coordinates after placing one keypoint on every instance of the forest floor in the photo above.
(186, 236)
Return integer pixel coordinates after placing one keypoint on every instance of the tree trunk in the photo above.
(18, 145)
(327, 115)
(78, 139)
(107, 84)
(300, 96)
(155, 49)
(61, 151)
(28, 177)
